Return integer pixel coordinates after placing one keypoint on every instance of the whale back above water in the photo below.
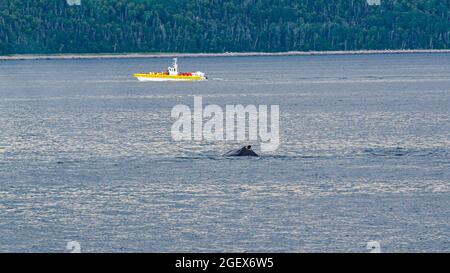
(244, 151)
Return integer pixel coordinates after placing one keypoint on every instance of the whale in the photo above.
(244, 151)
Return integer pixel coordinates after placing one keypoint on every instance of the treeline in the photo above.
(52, 26)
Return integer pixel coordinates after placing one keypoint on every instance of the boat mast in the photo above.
(175, 64)
(173, 70)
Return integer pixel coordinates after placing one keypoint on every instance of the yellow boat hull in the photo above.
(163, 77)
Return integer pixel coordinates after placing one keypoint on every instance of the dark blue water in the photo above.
(86, 154)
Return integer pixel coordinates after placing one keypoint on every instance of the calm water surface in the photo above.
(86, 154)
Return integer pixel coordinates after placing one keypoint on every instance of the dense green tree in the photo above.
(52, 26)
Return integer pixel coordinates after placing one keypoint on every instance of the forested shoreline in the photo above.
(118, 26)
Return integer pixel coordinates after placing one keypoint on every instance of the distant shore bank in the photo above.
(228, 54)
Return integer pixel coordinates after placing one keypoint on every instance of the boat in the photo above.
(171, 74)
